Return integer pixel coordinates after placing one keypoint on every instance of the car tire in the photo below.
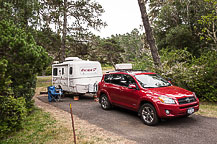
(105, 103)
(148, 114)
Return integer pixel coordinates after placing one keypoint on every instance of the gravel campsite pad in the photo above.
(87, 132)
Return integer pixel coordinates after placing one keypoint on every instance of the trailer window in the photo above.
(62, 71)
(70, 70)
(55, 71)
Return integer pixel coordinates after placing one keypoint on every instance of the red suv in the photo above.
(147, 93)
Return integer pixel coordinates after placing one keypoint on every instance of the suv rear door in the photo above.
(112, 86)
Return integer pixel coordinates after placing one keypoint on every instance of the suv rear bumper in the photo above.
(175, 110)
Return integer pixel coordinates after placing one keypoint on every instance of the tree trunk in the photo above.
(149, 34)
(63, 43)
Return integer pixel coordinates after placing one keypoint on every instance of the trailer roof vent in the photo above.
(73, 59)
(124, 66)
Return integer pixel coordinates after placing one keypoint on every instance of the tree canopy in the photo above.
(180, 24)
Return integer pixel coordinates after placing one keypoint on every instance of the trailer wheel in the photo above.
(105, 103)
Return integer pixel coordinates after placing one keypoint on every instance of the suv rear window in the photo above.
(116, 79)
(113, 78)
(107, 78)
(119, 79)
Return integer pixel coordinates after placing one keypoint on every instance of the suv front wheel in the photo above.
(148, 114)
(105, 103)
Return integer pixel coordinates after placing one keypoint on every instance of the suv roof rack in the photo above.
(128, 71)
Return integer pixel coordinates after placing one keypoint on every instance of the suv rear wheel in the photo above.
(148, 114)
(105, 103)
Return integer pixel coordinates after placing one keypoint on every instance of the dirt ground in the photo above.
(85, 132)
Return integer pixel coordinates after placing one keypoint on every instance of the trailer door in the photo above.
(64, 77)
(56, 75)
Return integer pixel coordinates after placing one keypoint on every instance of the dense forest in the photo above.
(36, 32)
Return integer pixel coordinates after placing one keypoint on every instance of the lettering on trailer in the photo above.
(88, 70)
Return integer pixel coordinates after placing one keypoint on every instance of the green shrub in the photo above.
(4, 80)
(145, 63)
(175, 65)
(25, 59)
(203, 74)
(20, 61)
(195, 74)
(48, 71)
(13, 112)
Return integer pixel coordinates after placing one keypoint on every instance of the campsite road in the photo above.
(192, 130)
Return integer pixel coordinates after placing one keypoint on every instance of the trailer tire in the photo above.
(105, 103)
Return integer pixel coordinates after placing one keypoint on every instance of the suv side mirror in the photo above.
(132, 86)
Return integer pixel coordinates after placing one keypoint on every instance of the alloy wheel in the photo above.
(148, 114)
(104, 102)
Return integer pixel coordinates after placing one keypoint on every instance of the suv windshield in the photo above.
(151, 81)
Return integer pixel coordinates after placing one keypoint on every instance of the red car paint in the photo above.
(132, 99)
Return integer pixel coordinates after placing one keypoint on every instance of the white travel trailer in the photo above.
(76, 75)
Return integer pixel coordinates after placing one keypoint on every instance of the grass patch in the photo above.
(208, 109)
(39, 127)
(44, 81)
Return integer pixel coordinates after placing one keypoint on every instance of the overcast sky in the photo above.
(121, 16)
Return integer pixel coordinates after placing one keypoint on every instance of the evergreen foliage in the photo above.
(20, 61)
(112, 50)
(176, 25)
(13, 112)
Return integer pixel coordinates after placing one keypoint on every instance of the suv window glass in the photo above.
(108, 78)
(116, 78)
(119, 79)
(152, 81)
(126, 80)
